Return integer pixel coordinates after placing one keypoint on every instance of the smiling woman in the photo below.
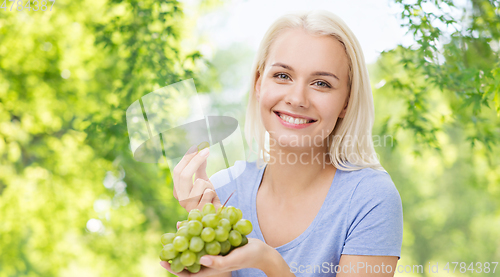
(338, 53)
(303, 92)
(322, 204)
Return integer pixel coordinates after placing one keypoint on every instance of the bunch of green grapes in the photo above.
(204, 233)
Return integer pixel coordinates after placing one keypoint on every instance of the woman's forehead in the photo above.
(302, 51)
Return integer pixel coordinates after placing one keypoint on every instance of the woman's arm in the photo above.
(375, 234)
(365, 266)
(275, 265)
(225, 274)
(256, 254)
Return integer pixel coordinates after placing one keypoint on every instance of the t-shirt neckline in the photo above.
(305, 234)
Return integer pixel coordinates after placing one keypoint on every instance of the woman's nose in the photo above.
(297, 96)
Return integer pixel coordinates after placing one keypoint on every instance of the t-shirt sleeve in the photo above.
(375, 218)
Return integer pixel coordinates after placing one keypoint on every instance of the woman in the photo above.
(322, 204)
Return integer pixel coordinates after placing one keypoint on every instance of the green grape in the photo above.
(200, 254)
(244, 240)
(168, 252)
(210, 220)
(223, 213)
(221, 210)
(243, 226)
(196, 244)
(212, 248)
(183, 232)
(209, 208)
(234, 238)
(221, 234)
(224, 222)
(208, 234)
(225, 247)
(180, 243)
(188, 258)
(167, 238)
(202, 145)
(239, 213)
(195, 214)
(232, 215)
(204, 232)
(194, 268)
(176, 264)
(195, 227)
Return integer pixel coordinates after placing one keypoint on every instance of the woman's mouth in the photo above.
(295, 123)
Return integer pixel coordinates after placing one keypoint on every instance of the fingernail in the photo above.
(192, 149)
(204, 152)
(206, 261)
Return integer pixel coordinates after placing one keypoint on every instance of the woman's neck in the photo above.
(288, 175)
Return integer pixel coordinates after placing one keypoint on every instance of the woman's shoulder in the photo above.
(374, 216)
(369, 183)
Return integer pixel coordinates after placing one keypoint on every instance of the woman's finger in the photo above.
(216, 202)
(201, 172)
(195, 195)
(206, 271)
(180, 166)
(199, 187)
(238, 258)
(208, 195)
(185, 182)
(175, 193)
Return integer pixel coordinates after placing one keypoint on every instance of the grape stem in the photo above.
(220, 209)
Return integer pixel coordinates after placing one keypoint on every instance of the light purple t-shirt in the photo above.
(362, 215)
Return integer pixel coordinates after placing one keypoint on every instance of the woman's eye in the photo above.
(279, 75)
(283, 76)
(323, 84)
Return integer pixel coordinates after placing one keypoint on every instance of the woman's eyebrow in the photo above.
(316, 73)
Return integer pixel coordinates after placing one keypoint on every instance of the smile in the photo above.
(291, 122)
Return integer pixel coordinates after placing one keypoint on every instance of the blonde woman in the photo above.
(319, 201)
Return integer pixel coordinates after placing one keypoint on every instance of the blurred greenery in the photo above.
(439, 102)
(73, 202)
(66, 80)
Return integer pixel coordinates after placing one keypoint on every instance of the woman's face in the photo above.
(306, 77)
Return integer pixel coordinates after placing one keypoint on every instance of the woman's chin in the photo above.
(291, 146)
(292, 139)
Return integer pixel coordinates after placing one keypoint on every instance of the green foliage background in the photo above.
(68, 76)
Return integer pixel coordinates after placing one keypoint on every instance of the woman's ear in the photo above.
(257, 87)
(343, 112)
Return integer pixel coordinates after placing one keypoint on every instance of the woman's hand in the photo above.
(254, 254)
(194, 195)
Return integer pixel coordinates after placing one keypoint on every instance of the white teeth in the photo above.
(292, 120)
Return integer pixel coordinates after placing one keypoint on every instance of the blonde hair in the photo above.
(359, 118)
